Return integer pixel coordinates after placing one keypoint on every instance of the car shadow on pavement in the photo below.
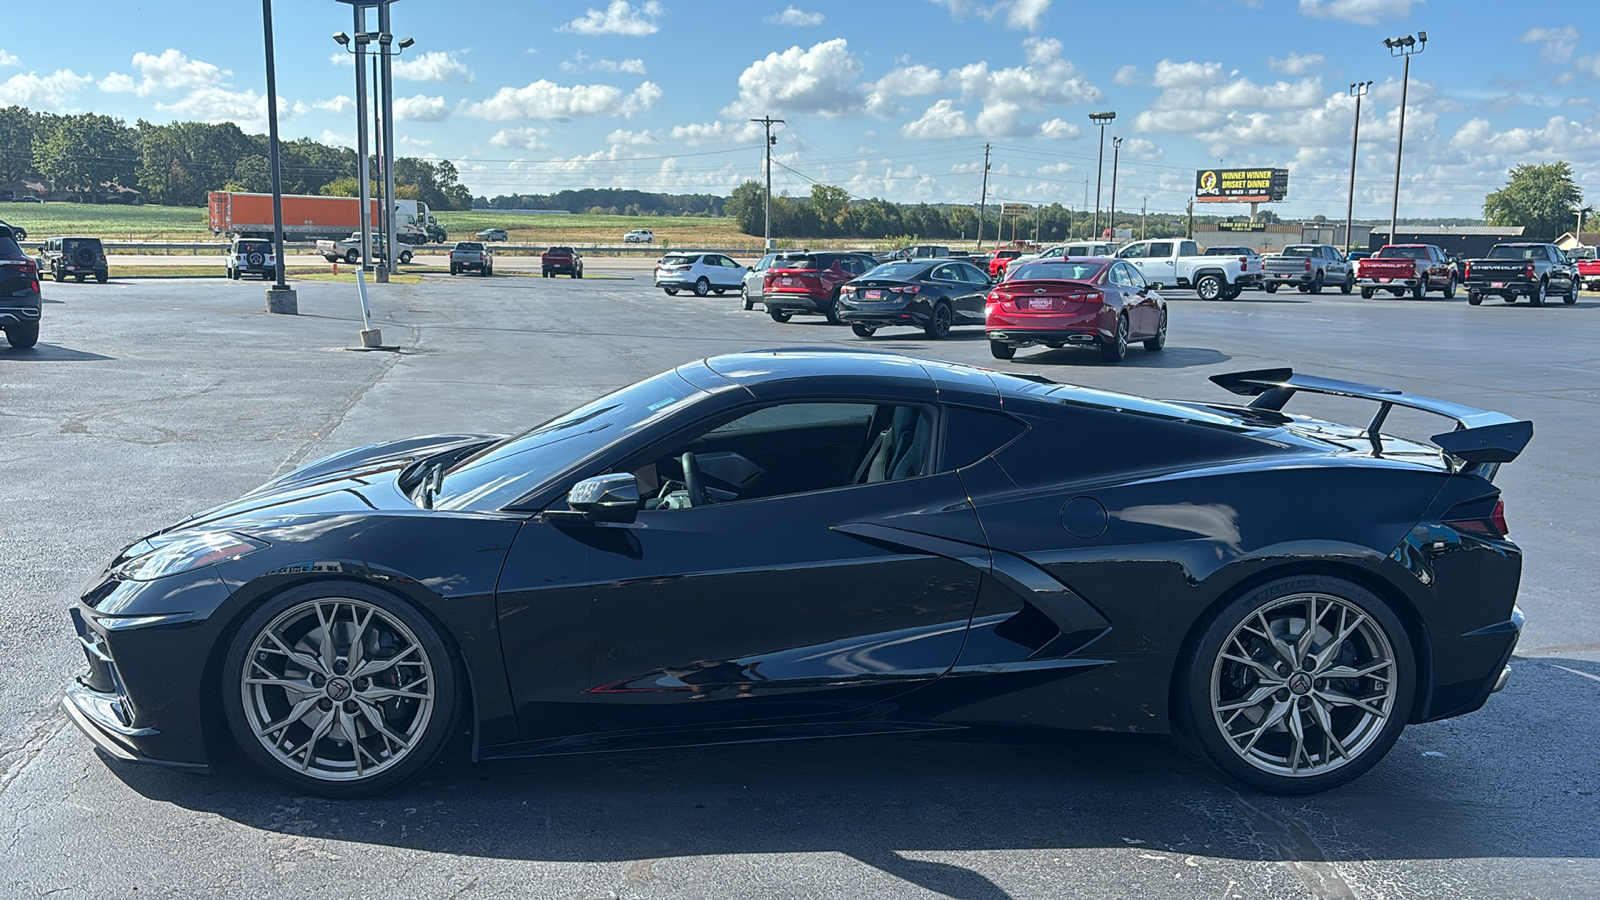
(1515, 780)
(1137, 358)
(49, 353)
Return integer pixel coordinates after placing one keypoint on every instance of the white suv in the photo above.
(639, 236)
(702, 273)
(253, 255)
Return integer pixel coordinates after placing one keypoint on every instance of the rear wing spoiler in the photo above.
(1481, 441)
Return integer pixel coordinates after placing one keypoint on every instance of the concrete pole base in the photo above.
(383, 276)
(283, 301)
(371, 337)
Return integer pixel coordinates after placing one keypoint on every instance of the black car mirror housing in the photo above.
(610, 498)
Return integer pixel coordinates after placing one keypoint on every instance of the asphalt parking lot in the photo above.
(146, 400)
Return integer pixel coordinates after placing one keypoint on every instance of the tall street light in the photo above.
(280, 297)
(1111, 220)
(1404, 46)
(1357, 90)
(1099, 118)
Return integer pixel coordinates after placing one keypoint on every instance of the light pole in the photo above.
(1099, 118)
(1357, 90)
(280, 297)
(1404, 46)
(1111, 220)
(768, 122)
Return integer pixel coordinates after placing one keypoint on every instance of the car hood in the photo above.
(357, 480)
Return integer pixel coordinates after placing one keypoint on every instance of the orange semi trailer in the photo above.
(305, 217)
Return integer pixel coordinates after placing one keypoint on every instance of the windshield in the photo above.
(1058, 271)
(498, 475)
(897, 270)
(1403, 253)
(1515, 253)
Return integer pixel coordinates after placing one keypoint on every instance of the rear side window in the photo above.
(972, 434)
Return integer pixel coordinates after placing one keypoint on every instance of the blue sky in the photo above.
(888, 98)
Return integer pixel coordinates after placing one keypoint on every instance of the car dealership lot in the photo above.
(146, 401)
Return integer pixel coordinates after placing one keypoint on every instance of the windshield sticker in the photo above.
(663, 403)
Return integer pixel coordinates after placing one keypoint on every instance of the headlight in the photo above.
(149, 561)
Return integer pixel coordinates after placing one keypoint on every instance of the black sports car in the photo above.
(815, 543)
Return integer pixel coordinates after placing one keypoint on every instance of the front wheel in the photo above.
(702, 288)
(779, 315)
(1450, 289)
(863, 331)
(744, 297)
(938, 327)
(1116, 349)
(999, 350)
(1299, 686)
(1160, 340)
(339, 689)
(405, 257)
(1209, 287)
(22, 335)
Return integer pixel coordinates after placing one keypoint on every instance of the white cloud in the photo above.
(37, 90)
(1127, 76)
(580, 60)
(1358, 12)
(409, 141)
(334, 139)
(939, 121)
(521, 138)
(818, 80)
(545, 100)
(1555, 44)
(1058, 128)
(1295, 63)
(794, 18)
(170, 71)
(628, 138)
(7, 59)
(434, 65)
(220, 104)
(1171, 74)
(619, 17)
(1141, 149)
(340, 105)
(702, 133)
(1028, 14)
(421, 108)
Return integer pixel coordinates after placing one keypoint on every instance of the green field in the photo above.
(127, 223)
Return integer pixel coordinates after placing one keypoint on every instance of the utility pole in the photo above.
(1144, 217)
(280, 297)
(382, 248)
(1190, 232)
(768, 122)
(1085, 203)
(983, 201)
(1357, 90)
(386, 140)
(1116, 151)
(1405, 46)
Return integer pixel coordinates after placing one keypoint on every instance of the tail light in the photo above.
(1468, 272)
(848, 289)
(1479, 517)
(1529, 273)
(995, 297)
(905, 289)
(1244, 261)
(1308, 265)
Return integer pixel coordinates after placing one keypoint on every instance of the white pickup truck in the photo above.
(1175, 262)
(349, 250)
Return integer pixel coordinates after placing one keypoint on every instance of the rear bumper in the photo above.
(1021, 337)
(559, 268)
(18, 314)
(1386, 283)
(796, 302)
(903, 316)
(1489, 286)
(1286, 278)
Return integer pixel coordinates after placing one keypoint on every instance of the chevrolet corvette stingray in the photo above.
(800, 543)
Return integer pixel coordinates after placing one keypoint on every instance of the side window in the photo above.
(974, 275)
(1160, 251)
(945, 273)
(1134, 251)
(789, 448)
(972, 434)
(1188, 248)
(1132, 278)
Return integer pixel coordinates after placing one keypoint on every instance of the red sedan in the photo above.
(1083, 301)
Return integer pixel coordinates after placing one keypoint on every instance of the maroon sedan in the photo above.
(1079, 301)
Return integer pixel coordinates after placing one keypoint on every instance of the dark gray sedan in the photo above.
(933, 295)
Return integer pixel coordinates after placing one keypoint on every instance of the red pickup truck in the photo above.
(561, 261)
(1399, 268)
(1588, 268)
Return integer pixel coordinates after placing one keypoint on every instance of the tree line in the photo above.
(611, 202)
(177, 164)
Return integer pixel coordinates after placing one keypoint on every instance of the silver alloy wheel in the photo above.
(337, 689)
(1304, 685)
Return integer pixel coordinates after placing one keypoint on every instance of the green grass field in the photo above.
(127, 223)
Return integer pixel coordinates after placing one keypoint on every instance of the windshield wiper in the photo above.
(432, 482)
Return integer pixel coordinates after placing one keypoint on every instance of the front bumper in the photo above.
(95, 714)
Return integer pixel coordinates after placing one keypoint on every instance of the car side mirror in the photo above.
(605, 498)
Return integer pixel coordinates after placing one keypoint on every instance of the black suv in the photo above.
(78, 257)
(19, 293)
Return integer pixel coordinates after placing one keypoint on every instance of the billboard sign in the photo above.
(1241, 185)
(1241, 226)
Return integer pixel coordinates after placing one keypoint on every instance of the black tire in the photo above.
(1159, 342)
(1509, 298)
(1201, 662)
(702, 287)
(1474, 298)
(1116, 350)
(454, 270)
(1366, 293)
(832, 312)
(1208, 287)
(862, 330)
(671, 292)
(405, 257)
(22, 335)
(939, 322)
(718, 291)
(544, 273)
(779, 315)
(1420, 289)
(1450, 288)
(1232, 293)
(56, 274)
(436, 659)
(1271, 287)
(1316, 283)
(1571, 296)
(999, 350)
(578, 273)
(352, 256)
(744, 296)
(102, 277)
(1537, 298)
(486, 271)
(78, 278)
(1348, 285)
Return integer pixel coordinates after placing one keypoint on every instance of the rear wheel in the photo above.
(938, 326)
(999, 350)
(352, 257)
(1271, 287)
(1209, 287)
(102, 276)
(1316, 284)
(779, 315)
(1420, 290)
(1232, 293)
(671, 292)
(1536, 298)
(1474, 298)
(22, 335)
(702, 287)
(1366, 293)
(405, 257)
(339, 689)
(1348, 285)
(1116, 349)
(863, 331)
(832, 312)
(1299, 686)
(578, 273)
(718, 291)
(78, 278)
(1160, 340)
